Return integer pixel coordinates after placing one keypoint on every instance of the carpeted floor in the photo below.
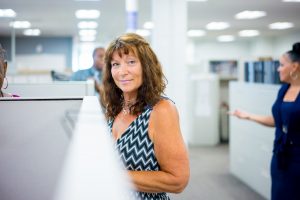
(210, 178)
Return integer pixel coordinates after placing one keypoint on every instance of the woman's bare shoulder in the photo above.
(165, 107)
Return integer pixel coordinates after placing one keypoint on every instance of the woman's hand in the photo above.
(240, 114)
(261, 119)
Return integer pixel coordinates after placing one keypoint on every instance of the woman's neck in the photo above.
(295, 83)
(130, 97)
(128, 102)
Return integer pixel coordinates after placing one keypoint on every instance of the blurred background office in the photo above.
(212, 51)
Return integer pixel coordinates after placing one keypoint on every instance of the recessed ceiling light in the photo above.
(196, 0)
(89, 38)
(87, 32)
(226, 38)
(86, 0)
(249, 33)
(148, 25)
(281, 25)
(87, 25)
(196, 33)
(217, 26)
(32, 32)
(143, 32)
(247, 14)
(7, 13)
(20, 24)
(291, 1)
(87, 14)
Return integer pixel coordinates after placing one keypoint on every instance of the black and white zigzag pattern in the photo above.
(137, 151)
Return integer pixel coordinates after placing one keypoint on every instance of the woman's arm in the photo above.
(261, 119)
(170, 152)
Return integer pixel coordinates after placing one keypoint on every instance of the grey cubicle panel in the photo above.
(58, 149)
(52, 89)
(34, 137)
(251, 143)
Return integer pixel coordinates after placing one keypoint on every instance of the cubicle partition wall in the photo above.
(53, 89)
(57, 148)
(250, 143)
(204, 108)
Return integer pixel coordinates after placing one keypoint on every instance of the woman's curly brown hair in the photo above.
(154, 81)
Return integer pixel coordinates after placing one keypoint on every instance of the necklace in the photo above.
(126, 105)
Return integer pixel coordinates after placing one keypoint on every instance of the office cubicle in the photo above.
(251, 144)
(52, 89)
(57, 148)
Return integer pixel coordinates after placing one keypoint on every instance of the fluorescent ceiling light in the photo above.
(143, 32)
(86, 0)
(291, 1)
(226, 38)
(217, 26)
(87, 25)
(20, 24)
(7, 13)
(196, 33)
(148, 25)
(87, 32)
(249, 33)
(281, 25)
(32, 32)
(90, 38)
(197, 0)
(87, 14)
(247, 14)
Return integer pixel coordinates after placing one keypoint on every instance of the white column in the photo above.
(169, 43)
(132, 15)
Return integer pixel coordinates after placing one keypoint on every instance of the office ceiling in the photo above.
(57, 17)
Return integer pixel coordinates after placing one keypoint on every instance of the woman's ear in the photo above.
(296, 66)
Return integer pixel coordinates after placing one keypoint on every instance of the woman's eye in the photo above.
(131, 62)
(114, 64)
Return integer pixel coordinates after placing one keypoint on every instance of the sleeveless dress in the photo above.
(285, 164)
(136, 150)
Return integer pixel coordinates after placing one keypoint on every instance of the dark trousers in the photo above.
(286, 183)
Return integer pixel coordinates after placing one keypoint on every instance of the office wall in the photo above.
(28, 46)
(242, 49)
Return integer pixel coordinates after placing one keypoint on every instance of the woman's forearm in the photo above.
(158, 181)
(264, 120)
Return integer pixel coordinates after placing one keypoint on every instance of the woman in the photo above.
(144, 125)
(3, 68)
(285, 165)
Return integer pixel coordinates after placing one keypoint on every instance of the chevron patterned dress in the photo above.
(136, 150)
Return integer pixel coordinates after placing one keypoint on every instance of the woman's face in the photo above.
(127, 73)
(285, 68)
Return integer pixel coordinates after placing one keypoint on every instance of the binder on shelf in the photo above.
(275, 72)
(249, 72)
(258, 72)
(262, 72)
(271, 74)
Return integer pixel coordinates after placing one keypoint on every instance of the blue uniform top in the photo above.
(83, 75)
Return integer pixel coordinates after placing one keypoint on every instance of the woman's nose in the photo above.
(123, 69)
(279, 69)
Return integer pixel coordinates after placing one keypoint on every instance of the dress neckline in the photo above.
(296, 99)
(128, 127)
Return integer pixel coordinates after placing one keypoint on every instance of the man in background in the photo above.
(94, 72)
